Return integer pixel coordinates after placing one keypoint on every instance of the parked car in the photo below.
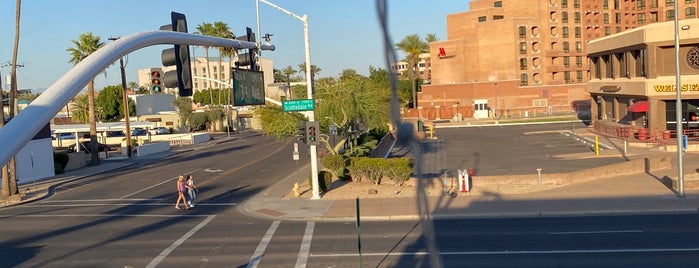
(63, 136)
(160, 130)
(85, 147)
(139, 132)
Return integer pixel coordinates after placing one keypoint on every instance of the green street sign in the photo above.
(298, 105)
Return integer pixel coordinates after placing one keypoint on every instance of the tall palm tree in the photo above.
(9, 186)
(207, 29)
(412, 45)
(80, 109)
(87, 44)
(314, 71)
(222, 30)
(288, 71)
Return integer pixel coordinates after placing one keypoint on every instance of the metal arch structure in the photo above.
(26, 124)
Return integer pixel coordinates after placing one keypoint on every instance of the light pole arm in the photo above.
(26, 124)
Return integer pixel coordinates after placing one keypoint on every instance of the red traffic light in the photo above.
(155, 74)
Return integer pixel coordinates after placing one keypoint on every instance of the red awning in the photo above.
(638, 107)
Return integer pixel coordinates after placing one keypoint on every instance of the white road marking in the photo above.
(509, 252)
(105, 215)
(156, 185)
(79, 204)
(302, 260)
(596, 232)
(260, 250)
(177, 243)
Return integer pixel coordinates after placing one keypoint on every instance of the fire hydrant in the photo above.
(296, 189)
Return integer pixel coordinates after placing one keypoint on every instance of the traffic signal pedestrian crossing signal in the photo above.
(312, 129)
(156, 80)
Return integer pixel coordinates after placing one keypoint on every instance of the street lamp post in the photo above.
(125, 102)
(678, 106)
(309, 87)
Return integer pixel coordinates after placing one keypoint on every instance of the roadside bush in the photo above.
(60, 160)
(376, 169)
(324, 180)
(337, 164)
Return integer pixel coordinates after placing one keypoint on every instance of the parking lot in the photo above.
(509, 150)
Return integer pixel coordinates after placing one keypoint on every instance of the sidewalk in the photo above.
(639, 193)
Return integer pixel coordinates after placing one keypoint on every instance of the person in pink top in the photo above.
(180, 193)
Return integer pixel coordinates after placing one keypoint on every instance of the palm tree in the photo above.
(87, 44)
(412, 45)
(207, 29)
(288, 71)
(222, 30)
(80, 109)
(9, 186)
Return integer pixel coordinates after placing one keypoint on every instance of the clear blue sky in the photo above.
(344, 34)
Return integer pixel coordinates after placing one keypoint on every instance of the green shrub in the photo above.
(324, 180)
(60, 160)
(336, 164)
(375, 169)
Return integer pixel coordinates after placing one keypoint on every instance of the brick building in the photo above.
(514, 57)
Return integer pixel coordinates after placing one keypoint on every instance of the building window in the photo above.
(623, 65)
(670, 14)
(579, 77)
(639, 59)
(617, 17)
(578, 61)
(498, 17)
(522, 32)
(566, 76)
(690, 12)
(640, 4)
(653, 3)
(607, 30)
(606, 18)
(564, 17)
(577, 17)
(522, 47)
(641, 18)
(565, 32)
(578, 46)
(578, 32)
(564, 3)
(669, 2)
(596, 68)
(566, 61)
(481, 19)
(497, 4)
(522, 64)
(605, 4)
(566, 47)
(690, 1)
(523, 80)
(608, 66)
(654, 17)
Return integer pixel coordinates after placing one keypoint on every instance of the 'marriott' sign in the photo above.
(671, 88)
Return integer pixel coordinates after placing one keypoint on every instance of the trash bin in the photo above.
(666, 134)
(420, 126)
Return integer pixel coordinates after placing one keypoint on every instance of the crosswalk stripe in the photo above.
(257, 255)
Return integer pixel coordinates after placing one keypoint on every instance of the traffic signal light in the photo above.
(179, 57)
(249, 58)
(302, 132)
(312, 129)
(156, 84)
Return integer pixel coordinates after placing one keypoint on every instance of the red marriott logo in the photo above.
(443, 54)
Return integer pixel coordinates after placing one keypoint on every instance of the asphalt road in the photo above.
(126, 218)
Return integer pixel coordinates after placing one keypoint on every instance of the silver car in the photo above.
(159, 130)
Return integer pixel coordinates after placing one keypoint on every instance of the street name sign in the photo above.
(298, 105)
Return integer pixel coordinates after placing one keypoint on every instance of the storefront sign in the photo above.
(671, 88)
(610, 88)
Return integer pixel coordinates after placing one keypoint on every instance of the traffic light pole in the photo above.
(40, 111)
(309, 87)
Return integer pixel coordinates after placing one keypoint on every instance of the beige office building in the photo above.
(633, 77)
